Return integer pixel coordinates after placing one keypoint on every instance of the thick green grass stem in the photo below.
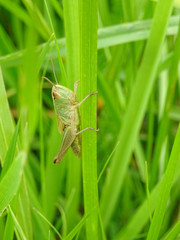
(88, 76)
(71, 21)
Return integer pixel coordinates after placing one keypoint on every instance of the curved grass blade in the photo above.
(165, 189)
(11, 151)
(10, 182)
(17, 224)
(6, 121)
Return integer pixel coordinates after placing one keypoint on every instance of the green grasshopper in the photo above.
(66, 106)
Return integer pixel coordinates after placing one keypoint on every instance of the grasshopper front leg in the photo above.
(79, 104)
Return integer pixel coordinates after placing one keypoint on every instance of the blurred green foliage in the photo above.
(138, 106)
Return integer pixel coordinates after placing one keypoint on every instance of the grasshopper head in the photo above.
(59, 91)
(56, 91)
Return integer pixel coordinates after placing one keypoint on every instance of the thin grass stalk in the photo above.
(63, 73)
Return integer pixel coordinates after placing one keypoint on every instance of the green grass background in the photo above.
(127, 184)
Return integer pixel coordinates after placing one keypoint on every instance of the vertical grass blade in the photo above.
(164, 123)
(136, 109)
(28, 86)
(6, 121)
(63, 73)
(9, 228)
(41, 126)
(71, 21)
(54, 174)
(88, 74)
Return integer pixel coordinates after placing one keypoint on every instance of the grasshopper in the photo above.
(66, 106)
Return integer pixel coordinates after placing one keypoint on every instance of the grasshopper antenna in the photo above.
(54, 70)
(49, 81)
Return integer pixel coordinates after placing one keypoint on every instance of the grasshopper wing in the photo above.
(68, 138)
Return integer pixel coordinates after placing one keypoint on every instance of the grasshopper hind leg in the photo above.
(68, 138)
(76, 146)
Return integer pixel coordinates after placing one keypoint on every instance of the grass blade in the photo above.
(173, 233)
(71, 21)
(18, 226)
(10, 182)
(48, 222)
(76, 229)
(107, 161)
(88, 75)
(9, 229)
(109, 36)
(139, 219)
(56, 44)
(11, 151)
(37, 19)
(164, 122)
(18, 11)
(165, 190)
(6, 121)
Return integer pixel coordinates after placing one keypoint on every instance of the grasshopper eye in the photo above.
(56, 95)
